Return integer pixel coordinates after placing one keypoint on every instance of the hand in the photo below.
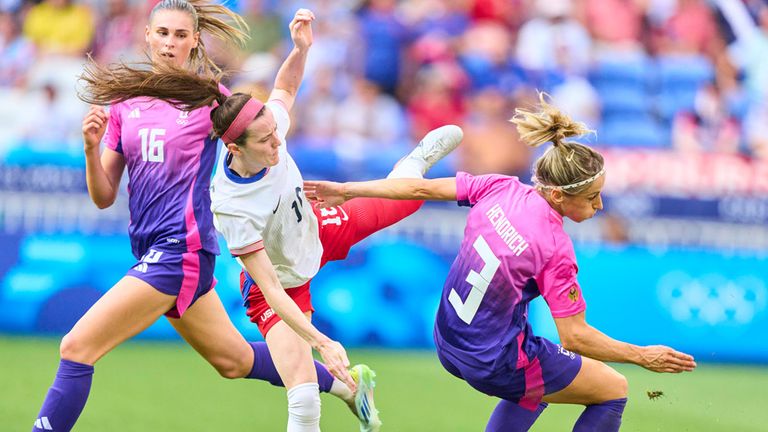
(660, 358)
(325, 193)
(301, 28)
(94, 126)
(335, 359)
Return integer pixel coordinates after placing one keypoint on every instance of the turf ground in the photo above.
(167, 387)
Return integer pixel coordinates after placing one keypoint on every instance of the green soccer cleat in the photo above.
(364, 407)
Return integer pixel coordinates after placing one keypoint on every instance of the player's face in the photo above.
(583, 206)
(171, 37)
(263, 143)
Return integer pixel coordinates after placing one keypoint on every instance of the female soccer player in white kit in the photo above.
(169, 155)
(278, 237)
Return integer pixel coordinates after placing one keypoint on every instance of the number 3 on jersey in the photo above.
(151, 146)
(466, 310)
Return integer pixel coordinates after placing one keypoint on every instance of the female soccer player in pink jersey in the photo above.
(278, 237)
(515, 249)
(280, 240)
(170, 156)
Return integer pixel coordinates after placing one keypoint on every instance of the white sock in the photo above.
(409, 167)
(304, 408)
(340, 390)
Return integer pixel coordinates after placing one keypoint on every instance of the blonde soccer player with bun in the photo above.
(514, 250)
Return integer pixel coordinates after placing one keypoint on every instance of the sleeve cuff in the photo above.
(245, 250)
(569, 313)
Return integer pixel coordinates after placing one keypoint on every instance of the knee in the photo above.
(73, 348)
(304, 403)
(619, 387)
(623, 385)
(231, 368)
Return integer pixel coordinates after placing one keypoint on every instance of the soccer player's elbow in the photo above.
(572, 341)
(103, 202)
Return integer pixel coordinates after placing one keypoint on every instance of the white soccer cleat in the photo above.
(364, 407)
(437, 144)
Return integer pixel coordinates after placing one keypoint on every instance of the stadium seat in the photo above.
(633, 132)
(679, 79)
(626, 74)
(676, 71)
(620, 101)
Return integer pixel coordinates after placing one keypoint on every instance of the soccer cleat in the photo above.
(436, 144)
(364, 407)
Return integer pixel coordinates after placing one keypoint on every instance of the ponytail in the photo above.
(567, 166)
(120, 82)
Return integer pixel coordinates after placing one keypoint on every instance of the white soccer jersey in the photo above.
(269, 211)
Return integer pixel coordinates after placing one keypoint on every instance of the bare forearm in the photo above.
(289, 312)
(291, 73)
(402, 189)
(594, 344)
(100, 188)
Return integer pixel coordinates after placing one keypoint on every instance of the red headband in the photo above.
(242, 120)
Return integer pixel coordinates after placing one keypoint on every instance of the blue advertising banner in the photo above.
(713, 305)
(709, 304)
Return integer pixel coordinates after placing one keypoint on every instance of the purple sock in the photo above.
(264, 369)
(511, 417)
(603, 417)
(66, 397)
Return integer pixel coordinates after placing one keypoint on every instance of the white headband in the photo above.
(572, 185)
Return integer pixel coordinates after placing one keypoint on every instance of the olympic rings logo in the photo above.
(712, 299)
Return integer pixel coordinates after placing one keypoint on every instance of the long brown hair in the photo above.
(566, 163)
(181, 88)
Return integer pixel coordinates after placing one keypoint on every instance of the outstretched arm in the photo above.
(330, 194)
(334, 356)
(578, 336)
(291, 73)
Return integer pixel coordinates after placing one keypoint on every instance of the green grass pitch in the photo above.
(168, 387)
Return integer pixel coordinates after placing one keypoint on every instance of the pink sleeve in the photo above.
(112, 139)
(558, 283)
(470, 189)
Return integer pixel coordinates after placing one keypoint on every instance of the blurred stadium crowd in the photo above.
(675, 90)
(690, 75)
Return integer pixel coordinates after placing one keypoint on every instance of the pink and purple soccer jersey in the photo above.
(514, 250)
(170, 155)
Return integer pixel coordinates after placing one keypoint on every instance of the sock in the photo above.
(341, 391)
(409, 167)
(66, 398)
(304, 408)
(511, 417)
(264, 369)
(603, 417)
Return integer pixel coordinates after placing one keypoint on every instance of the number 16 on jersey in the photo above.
(479, 282)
